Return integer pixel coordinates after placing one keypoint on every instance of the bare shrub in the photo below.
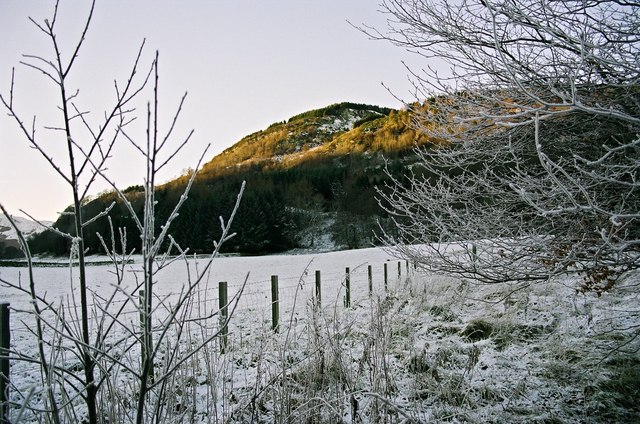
(86, 343)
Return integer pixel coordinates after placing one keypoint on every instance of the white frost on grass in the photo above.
(427, 349)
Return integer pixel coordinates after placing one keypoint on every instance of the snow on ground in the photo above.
(427, 348)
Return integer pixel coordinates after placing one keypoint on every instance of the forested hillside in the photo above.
(310, 182)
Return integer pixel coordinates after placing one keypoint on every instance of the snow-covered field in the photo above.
(427, 349)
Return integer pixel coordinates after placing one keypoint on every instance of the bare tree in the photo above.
(167, 321)
(537, 122)
(80, 175)
(105, 338)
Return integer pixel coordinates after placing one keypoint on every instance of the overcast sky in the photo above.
(244, 64)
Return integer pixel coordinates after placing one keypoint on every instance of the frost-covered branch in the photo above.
(537, 124)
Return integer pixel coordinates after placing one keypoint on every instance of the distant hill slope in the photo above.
(310, 184)
(9, 245)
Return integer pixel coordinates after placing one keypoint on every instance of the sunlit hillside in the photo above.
(311, 184)
(339, 129)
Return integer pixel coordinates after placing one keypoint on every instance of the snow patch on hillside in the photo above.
(26, 226)
(346, 120)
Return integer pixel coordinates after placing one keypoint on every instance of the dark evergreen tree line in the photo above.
(277, 207)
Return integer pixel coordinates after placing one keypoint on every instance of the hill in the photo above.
(337, 130)
(9, 245)
(310, 184)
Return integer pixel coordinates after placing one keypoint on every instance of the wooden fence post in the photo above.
(347, 291)
(224, 316)
(275, 308)
(5, 341)
(386, 278)
(370, 275)
(318, 289)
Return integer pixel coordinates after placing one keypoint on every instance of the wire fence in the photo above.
(294, 291)
(230, 315)
(229, 311)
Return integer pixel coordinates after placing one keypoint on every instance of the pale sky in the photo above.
(245, 64)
